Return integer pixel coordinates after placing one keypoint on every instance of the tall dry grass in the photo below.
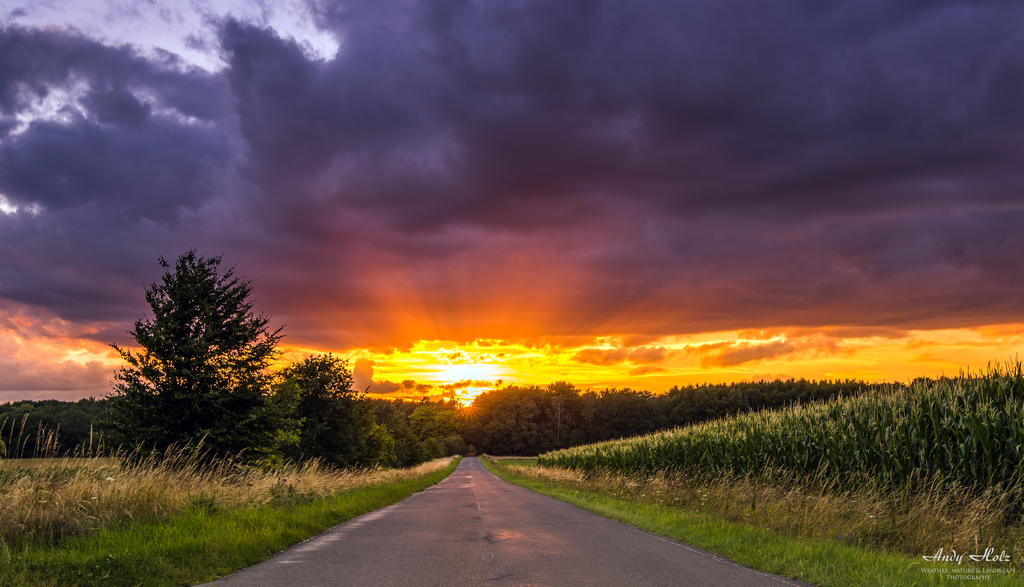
(915, 520)
(44, 504)
(46, 445)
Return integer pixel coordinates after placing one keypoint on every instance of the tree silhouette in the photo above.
(200, 372)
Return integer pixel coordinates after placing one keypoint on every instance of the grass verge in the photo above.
(199, 544)
(815, 560)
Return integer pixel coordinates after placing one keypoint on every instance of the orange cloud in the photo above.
(407, 386)
(362, 380)
(362, 373)
(647, 370)
(467, 383)
(602, 357)
(607, 357)
(745, 352)
(731, 354)
(767, 377)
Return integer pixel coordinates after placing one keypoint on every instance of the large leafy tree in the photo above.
(337, 423)
(201, 368)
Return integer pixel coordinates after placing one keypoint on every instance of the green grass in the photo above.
(817, 561)
(197, 546)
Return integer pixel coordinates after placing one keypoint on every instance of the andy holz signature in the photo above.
(953, 556)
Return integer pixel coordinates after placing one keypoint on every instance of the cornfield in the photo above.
(967, 431)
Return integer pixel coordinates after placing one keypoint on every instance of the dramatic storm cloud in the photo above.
(544, 173)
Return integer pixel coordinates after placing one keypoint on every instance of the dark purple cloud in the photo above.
(535, 169)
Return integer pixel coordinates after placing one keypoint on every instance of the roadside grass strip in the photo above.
(197, 545)
(827, 563)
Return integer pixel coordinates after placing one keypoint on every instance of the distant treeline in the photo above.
(516, 420)
(412, 432)
(24, 425)
(531, 420)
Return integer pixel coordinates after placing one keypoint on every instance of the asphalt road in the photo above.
(474, 529)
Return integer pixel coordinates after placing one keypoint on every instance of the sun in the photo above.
(469, 380)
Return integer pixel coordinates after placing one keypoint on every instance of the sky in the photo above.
(456, 195)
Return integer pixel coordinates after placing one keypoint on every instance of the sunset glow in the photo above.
(470, 369)
(53, 360)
